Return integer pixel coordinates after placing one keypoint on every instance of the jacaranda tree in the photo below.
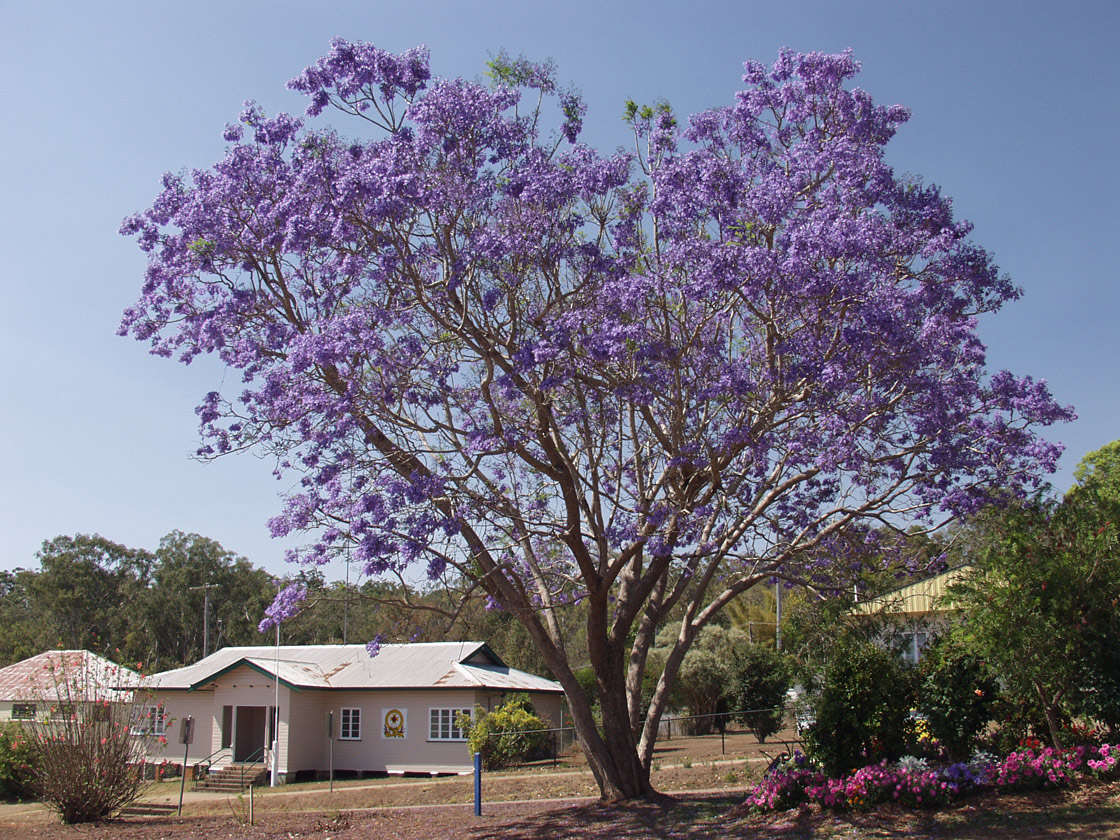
(645, 382)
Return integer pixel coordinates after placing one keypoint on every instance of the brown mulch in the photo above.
(709, 775)
(1091, 811)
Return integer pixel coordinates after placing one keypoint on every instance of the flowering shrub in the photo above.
(1105, 765)
(15, 761)
(920, 740)
(862, 710)
(85, 757)
(511, 734)
(784, 784)
(912, 781)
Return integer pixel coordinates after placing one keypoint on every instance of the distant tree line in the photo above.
(140, 607)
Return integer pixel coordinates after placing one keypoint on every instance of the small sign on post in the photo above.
(186, 738)
(186, 731)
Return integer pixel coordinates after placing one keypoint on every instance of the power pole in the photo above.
(778, 616)
(205, 615)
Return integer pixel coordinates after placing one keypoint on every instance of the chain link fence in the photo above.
(745, 732)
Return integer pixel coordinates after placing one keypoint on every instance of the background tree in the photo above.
(755, 613)
(1040, 605)
(23, 635)
(83, 583)
(760, 680)
(705, 676)
(175, 603)
(1099, 472)
(132, 605)
(640, 383)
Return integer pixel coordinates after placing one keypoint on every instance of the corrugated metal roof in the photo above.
(421, 665)
(918, 598)
(70, 675)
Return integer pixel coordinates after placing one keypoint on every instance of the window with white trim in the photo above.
(913, 645)
(149, 720)
(351, 729)
(444, 724)
(23, 711)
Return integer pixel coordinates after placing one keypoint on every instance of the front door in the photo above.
(250, 734)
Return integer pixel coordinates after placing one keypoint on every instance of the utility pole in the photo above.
(206, 587)
(778, 616)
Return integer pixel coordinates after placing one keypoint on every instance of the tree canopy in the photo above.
(1099, 472)
(640, 381)
(1041, 605)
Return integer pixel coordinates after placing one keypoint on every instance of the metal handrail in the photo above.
(252, 759)
(208, 761)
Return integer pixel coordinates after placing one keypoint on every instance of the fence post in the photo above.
(722, 743)
(478, 784)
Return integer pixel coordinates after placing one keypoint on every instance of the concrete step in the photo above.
(150, 809)
(233, 778)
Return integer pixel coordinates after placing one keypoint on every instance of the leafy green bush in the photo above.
(587, 682)
(760, 678)
(956, 694)
(511, 734)
(862, 706)
(15, 761)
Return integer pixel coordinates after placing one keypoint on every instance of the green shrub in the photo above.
(511, 734)
(861, 708)
(760, 678)
(956, 694)
(15, 761)
(589, 685)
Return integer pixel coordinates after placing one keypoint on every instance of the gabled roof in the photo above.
(412, 666)
(70, 676)
(918, 598)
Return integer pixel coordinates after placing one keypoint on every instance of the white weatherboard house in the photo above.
(392, 713)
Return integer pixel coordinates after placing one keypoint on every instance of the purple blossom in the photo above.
(286, 605)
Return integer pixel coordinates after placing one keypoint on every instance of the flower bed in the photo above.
(916, 783)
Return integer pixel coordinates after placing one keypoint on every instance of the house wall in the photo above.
(177, 705)
(377, 752)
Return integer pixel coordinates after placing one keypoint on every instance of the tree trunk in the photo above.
(612, 756)
(1050, 705)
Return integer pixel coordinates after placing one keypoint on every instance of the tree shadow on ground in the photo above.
(682, 818)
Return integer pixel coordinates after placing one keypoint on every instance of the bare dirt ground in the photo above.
(559, 802)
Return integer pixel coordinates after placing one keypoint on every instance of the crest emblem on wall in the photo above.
(394, 726)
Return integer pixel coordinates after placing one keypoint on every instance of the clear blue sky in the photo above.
(1016, 114)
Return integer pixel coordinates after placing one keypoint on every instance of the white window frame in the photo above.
(914, 644)
(24, 711)
(442, 724)
(150, 720)
(350, 724)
